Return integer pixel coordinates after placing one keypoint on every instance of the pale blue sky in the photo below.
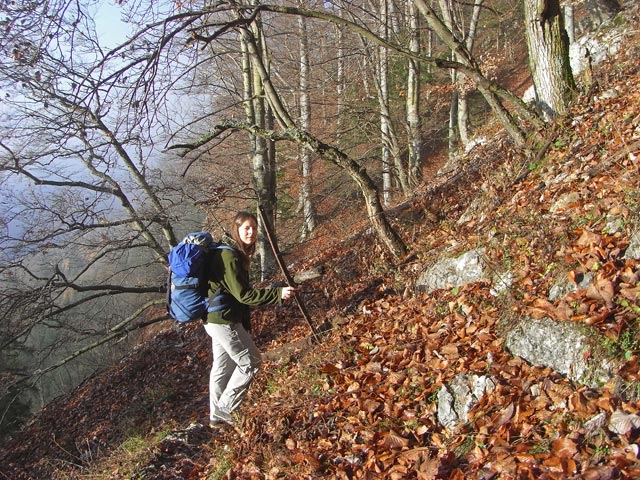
(111, 30)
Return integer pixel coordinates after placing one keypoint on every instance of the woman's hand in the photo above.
(287, 292)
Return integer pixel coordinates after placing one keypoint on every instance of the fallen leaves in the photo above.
(564, 448)
(623, 423)
(602, 290)
(363, 403)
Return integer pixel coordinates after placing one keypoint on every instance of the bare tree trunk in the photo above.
(569, 22)
(548, 45)
(390, 154)
(382, 79)
(430, 42)
(262, 153)
(453, 119)
(340, 83)
(414, 170)
(447, 16)
(459, 113)
(463, 100)
(306, 204)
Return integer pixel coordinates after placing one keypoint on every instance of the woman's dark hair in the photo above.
(239, 219)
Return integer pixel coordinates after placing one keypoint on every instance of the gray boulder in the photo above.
(568, 348)
(458, 398)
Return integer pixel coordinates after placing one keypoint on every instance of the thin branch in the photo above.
(121, 329)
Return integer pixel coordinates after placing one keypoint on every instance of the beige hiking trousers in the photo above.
(236, 360)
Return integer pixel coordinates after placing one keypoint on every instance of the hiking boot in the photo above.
(215, 423)
(219, 417)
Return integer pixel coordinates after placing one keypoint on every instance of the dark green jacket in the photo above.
(230, 278)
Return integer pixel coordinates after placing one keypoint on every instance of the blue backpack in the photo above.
(188, 282)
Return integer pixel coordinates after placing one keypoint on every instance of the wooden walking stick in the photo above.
(290, 281)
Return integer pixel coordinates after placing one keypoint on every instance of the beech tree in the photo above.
(453, 16)
(548, 44)
(262, 150)
(381, 80)
(414, 124)
(306, 160)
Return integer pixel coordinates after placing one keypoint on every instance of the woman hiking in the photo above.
(236, 358)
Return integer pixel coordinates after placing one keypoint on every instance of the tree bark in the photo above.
(414, 162)
(569, 22)
(306, 202)
(382, 82)
(340, 83)
(262, 152)
(548, 45)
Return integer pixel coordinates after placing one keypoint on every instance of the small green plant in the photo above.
(465, 447)
(610, 346)
(316, 389)
(543, 446)
(221, 465)
(410, 392)
(133, 445)
(412, 424)
(632, 200)
(275, 382)
(441, 309)
(584, 220)
(271, 387)
(627, 343)
(628, 306)
(548, 269)
(601, 449)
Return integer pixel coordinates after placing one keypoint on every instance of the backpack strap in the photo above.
(217, 302)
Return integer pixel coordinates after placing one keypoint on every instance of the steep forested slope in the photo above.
(362, 402)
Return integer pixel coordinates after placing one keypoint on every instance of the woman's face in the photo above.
(248, 232)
